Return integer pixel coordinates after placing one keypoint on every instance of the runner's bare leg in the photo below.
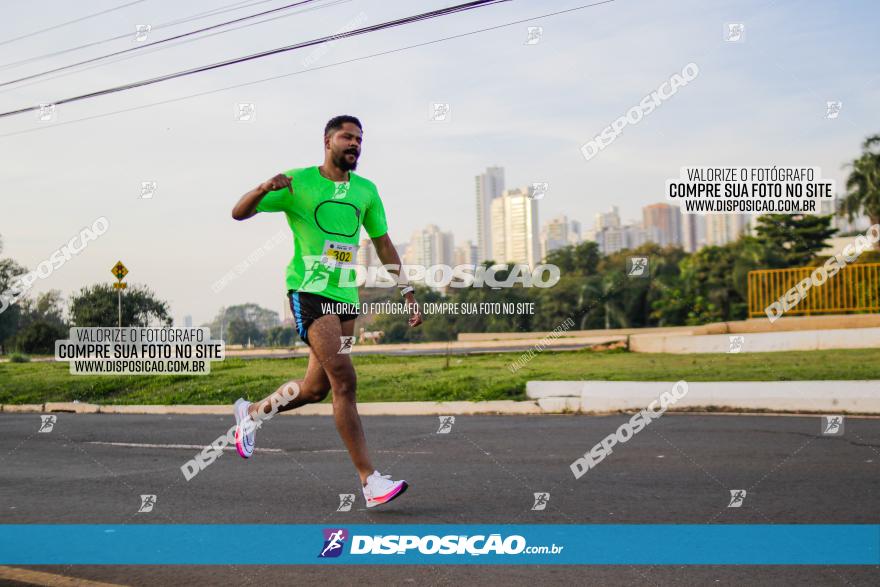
(313, 388)
(324, 335)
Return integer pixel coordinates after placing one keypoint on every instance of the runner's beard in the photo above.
(343, 163)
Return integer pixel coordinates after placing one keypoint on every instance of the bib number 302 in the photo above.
(339, 254)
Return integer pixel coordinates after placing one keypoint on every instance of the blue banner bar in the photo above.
(287, 544)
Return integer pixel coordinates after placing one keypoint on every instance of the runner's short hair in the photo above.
(336, 123)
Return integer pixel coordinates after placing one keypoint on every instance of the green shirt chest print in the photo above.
(326, 219)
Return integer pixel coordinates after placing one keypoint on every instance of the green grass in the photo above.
(395, 378)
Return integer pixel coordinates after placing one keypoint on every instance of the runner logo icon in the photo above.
(832, 425)
(341, 190)
(317, 273)
(47, 423)
(147, 503)
(334, 541)
(541, 500)
(346, 500)
(446, 423)
(638, 267)
(737, 496)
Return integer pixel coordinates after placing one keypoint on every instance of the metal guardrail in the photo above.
(855, 288)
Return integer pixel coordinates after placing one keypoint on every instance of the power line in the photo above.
(381, 26)
(159, 42)
(70, 22)
(291, 74)
(177, 44)
(213, 12)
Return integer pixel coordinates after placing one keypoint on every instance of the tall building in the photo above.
(662, 224)
(366, 255)
(489, 185)
(610, 219)
(466, 254)
(402, 250)
(612, 235)
(693, 232)
(515, 228)
(187, 321)
(574, 233)
(555, 234)
(725, 228)
(617, 238)
(431, 246)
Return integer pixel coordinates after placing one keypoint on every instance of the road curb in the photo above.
(75, 407)
(188, 410)
(21, 408)
(457, 408)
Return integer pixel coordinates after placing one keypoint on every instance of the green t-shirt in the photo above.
(326, 218)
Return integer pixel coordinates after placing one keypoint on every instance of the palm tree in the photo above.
(863, 184)
(602, 295)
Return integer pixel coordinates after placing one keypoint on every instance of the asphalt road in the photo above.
(680, 469)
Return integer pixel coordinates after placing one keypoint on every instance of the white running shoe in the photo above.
(381, 489)
(245, 429)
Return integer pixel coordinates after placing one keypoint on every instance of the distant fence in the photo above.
(855, 288)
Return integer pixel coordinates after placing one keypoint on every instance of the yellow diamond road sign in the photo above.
(119, 270)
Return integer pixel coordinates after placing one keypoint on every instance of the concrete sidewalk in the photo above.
(832, 397)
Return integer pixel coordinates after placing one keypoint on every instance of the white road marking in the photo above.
(269, 450)
(189, 446)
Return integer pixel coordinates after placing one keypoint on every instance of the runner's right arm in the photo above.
(246, 207)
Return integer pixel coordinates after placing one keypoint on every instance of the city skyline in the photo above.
(182, 137)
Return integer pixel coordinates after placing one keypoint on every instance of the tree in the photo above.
(863, 183)
(708, 290)
(613, 299)
(39, 337)
(792, 240)
(97, 306)
(41, 323)
(600, 302)
(280, 336)
(582, 258)
(554, 304)
(10, 314)
(259, 319)
(47, 307)
(241, 331)
(435, 326)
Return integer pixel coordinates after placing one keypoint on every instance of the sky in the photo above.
(525, 107)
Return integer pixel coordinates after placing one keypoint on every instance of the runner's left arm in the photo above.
(391, 260)
(376, 226)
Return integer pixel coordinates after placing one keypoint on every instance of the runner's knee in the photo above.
(345, 387)
(314, 393)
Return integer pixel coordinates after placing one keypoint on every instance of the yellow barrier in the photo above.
(855, 288)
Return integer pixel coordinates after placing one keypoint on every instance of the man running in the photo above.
(325, 207)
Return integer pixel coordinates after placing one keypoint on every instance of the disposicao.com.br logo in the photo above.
(430, 544)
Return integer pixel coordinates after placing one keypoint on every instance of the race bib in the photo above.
(337, 254)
